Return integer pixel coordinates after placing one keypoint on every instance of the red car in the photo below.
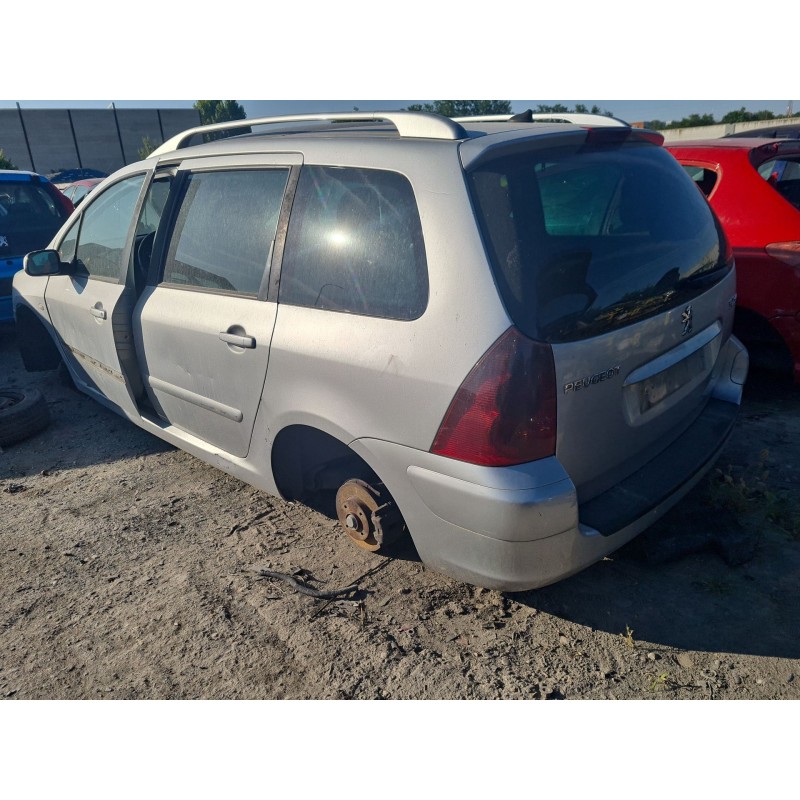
(753, 185)
(78, 190)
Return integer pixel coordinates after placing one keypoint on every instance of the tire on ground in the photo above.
(22, 413)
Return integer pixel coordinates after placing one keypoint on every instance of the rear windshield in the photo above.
(585, 240)
(29, 217)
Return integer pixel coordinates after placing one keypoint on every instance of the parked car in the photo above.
(77, 191)
(64, 177)
(774, 132)
(31, 212)
(753, 185)
(510, 339)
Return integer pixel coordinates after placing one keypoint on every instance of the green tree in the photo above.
(148, 145)
(692, 121)
(212, 111)
(464, 108)
(580, 108)
(746, 116)
(4, 162)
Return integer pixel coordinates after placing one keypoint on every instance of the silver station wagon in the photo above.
(505, 337)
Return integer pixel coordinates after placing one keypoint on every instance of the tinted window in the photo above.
(355, 244)
(225, 228)
(587, 240)
(29, 216)
(104, 230)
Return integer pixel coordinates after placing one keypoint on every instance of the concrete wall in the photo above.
(47, 140)
(718, 131)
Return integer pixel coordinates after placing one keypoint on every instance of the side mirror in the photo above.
(43, 262)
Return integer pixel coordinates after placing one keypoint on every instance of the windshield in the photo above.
(584, 240)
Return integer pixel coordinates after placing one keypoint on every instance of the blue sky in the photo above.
(630, 110)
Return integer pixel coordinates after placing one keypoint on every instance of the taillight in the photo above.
(504, 412)
(788, 252)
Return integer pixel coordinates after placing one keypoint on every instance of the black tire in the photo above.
(22, 413)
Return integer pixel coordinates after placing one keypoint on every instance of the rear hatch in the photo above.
(606, 251)
(30, 215)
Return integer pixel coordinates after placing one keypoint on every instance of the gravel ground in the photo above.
(130, 570)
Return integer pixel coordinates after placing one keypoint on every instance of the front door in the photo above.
(91, 306)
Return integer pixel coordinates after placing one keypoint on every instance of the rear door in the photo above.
(90, 308)
(203, 324)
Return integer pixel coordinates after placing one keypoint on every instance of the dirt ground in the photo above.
(129, 569)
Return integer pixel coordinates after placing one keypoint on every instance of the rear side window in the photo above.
(225, 229)
(584, 240)
(706, 179)
(784, 176)
(355, 244)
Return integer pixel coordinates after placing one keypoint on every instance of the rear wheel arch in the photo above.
(308, 464)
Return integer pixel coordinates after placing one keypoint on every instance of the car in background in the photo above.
(77, 191)
(64, 177)
(31, 212)
(775, 132)
(753, 185)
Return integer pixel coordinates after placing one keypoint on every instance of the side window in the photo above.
(784, 176)
(224, 229)
(705, 179)
(146, 227)
(355, 244)
(104, 230)
(66, 250)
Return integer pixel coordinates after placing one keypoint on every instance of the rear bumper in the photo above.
(518, 528)
(648, 488)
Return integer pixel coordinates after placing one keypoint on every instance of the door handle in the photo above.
(100, 313)
(240, 341)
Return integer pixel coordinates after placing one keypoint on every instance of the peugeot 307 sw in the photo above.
(505, 337)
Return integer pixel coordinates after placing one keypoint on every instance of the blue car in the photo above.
(31, 211)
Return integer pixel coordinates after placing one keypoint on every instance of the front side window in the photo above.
(355, 244)
(224, 230)
(104, 231)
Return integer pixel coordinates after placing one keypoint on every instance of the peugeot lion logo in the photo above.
(686, 319)
(3, 241)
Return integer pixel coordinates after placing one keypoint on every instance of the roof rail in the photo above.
(593, 120)
(408, 123)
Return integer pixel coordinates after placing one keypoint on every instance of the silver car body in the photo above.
(381, 387)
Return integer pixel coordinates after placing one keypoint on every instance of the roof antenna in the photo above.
(524, 116)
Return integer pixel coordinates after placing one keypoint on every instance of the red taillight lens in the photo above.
(504, 412)
(788, 252)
